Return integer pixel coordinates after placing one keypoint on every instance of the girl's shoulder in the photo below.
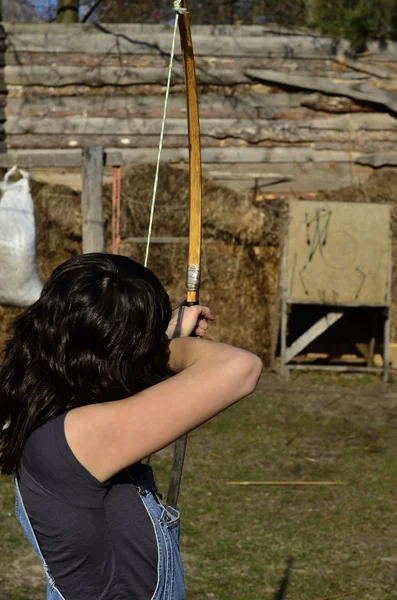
(47, 461)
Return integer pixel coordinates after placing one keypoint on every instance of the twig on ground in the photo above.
(345, 595)
(286, 483)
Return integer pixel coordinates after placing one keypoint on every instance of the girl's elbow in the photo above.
(253, 372)
(257, 368)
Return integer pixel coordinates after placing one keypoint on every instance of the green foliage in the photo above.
(359, 20)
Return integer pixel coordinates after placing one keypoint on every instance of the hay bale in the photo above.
(240, 251)
(239, 267)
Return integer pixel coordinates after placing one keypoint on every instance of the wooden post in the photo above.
(284, 371)
(386, 329)
(284, 307)
(92, 200)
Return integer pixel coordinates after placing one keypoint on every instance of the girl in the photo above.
(83, 399)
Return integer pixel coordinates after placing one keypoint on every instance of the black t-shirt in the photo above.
(97, 538)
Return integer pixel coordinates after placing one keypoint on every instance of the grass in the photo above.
(274, 543)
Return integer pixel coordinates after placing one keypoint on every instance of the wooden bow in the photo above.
(194, 258)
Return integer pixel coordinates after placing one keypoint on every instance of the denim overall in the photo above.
(165, 520)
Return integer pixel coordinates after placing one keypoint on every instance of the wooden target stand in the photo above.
(336, 263)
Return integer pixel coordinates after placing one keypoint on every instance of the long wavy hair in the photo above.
(96, 334)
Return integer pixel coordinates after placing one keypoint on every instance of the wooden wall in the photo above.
(281, 111)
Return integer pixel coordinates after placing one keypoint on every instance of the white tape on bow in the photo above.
(178, 8)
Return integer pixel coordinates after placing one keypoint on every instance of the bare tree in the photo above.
(68, 11)
(20, 10)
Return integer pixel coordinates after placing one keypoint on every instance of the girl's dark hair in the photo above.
(97, 333)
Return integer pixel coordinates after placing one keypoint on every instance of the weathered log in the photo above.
(366, 92)
(126, 106)
(53, 159)
(283, 46)
(97, 77)
(369, 143)
(113, 59)
(383, 159)
(249, 129)
(213, 40)
(333, 104)
(364, 67)
(236, 30)
(293, 179)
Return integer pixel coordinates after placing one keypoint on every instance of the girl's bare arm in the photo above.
(210, 376)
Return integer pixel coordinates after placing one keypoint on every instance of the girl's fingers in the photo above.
(205, 312)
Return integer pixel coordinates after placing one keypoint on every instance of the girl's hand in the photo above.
(188, 319)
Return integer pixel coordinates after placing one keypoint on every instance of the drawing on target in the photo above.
(338, 253)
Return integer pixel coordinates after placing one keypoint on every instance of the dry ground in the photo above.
(281, 542)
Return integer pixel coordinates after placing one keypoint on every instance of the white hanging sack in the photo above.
(20, 283)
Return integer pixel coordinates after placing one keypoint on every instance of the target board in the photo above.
(338, 253)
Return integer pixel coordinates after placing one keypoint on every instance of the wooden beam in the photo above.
(100, 76)
(252, 131)
(336, 368)
(109, 41)
(380, 159)
(92, 200)
(47, 159)
(261, 157)
(151, 106)
(236, 30)
(311, 334)
(357, 90)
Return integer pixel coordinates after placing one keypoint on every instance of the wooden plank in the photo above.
(345, 304)
(290, 181)
(246, 106)
(224, 42)
(95, 42)
(92, 200)
(362, 67)
(235, 30)
(256, 158)
(160, 60)
(333, 104)
(98, 76)
(280, 178)
(380, 159)
(358, 90)
(311, 334)
(336, 368)
(248, 129)
(375, 51)
(54, 158)
(69, 142)
(259, 156)
(117, 142)
(361, 144)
